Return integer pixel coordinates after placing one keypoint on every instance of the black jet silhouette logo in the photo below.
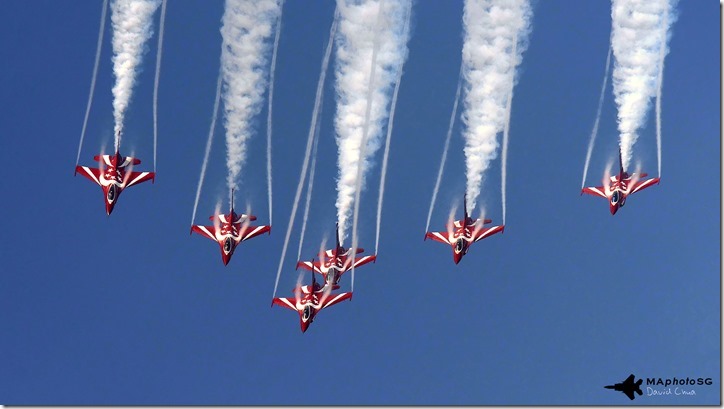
(628, 387)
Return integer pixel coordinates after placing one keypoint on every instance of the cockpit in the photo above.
(227, 245)
(459, 245)
(111, 194)
(332, 275)
(306, 313)
(616, 197)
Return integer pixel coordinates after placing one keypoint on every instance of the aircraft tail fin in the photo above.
(336, 226)
(620, 161)
(465, 205)
(232, 201)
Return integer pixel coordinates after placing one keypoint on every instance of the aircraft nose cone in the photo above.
(225, 259)
(109, 208)
(305, 325)
(614, 209)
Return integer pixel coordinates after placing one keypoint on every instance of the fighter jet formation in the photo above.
(332, 264)
(116, 172)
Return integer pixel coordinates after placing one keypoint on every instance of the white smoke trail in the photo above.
(247, 24)
(310, 137)
(365, 136)
(132, 27)
(310, 185)
(506, 130)
(453, 115)
(637, 43)
(155, 81)
(362, 143)
(208, 147)
(272, 70)
(370, 46)
(390, 122)
(669, 18)
(594, 131)
(101, 30)
(658, 119)
(489, 60)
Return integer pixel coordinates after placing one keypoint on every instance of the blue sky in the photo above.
(130, 309)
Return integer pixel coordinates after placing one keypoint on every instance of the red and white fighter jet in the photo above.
(229, 230)
(114, 173)
(308, 300)
(616, 188)
(466, 232)
(335, 262)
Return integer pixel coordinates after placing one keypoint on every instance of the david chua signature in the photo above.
(667, 391)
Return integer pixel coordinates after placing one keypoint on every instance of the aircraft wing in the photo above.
(363, 260)
(140, 177)
(595, 191)
(290, 303)
(253, 231)
(643, 184)
(437, 236)
(311, 266)
(489, 231)
(93, 174)
(334, 299)
(207, 231)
